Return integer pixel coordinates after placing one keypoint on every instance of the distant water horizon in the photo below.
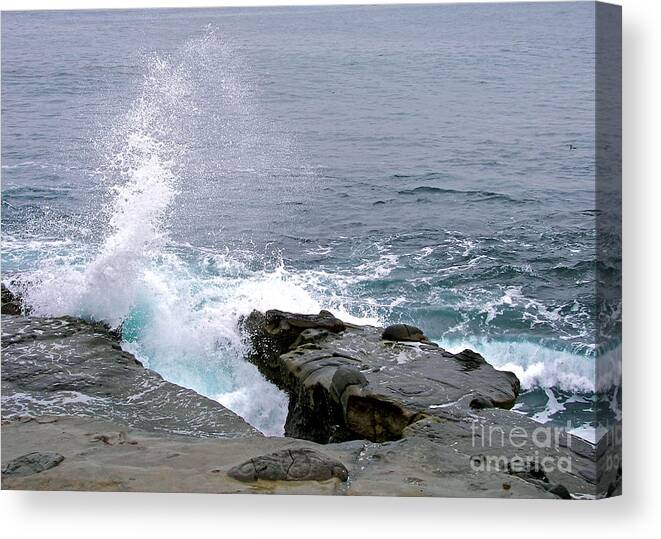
(171, 170)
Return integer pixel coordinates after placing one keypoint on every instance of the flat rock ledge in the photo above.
(369, 415)
(70, 367)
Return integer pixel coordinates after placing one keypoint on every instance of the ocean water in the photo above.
(171, 170)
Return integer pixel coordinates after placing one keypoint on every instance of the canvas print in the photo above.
(340, 250)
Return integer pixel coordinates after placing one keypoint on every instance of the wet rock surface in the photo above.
(353, 384)
(65, 366)
(403, 332)
(397, 390)
(367, 416)
(11, 302)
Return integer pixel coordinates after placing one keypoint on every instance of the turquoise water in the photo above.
(170, 170)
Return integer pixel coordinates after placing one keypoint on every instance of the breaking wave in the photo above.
(179, 314)
(179, 305)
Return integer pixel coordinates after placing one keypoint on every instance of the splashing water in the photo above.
(179, 313)
(194, 142)
(181, 323)
(142, 165)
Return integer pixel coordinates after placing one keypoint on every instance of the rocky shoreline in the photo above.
(349, 382)
(372, 411)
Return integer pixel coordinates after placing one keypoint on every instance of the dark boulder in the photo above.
(403, 332)
(32, 463)
(560, 491)
(274, 332)
(345, 385)
(481, 403)
(299, 464)
(11, 302)
(324, 320)
(344, 377)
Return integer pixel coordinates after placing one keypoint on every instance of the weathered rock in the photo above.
(470, 359)
(479, 403)
(164, 462)
(65, 366)
(114, 438)
(292, 324)
(309, 336)
(355, 385)
(418, 466)
(32, 463)
(560, 491)
(411, 417)
(403, 332)
(396, 383)
(499, 440)
(275, 330)
(11, 303)
(343, 378)
(298, 464)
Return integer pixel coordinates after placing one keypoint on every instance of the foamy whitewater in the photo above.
(190, 180)
(178, 317)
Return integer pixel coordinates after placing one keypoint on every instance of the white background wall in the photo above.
(99, 515)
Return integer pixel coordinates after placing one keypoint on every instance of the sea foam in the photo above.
(179, 313)
(183, 326)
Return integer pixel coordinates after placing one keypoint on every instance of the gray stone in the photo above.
(500, 440)
(310, 336)
(32, 463)
(66, 366)
(403, 332)
(345, 377)
(416, 465)
(403, 418)
(470, 359)
(403, 381)
(298, 464)
(354, 385)
(283, 322)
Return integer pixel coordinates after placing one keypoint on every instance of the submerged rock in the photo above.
(32, 463)
(298, 464)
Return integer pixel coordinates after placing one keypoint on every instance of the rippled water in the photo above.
(173, 169)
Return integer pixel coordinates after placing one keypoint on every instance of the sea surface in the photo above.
(171, 170)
